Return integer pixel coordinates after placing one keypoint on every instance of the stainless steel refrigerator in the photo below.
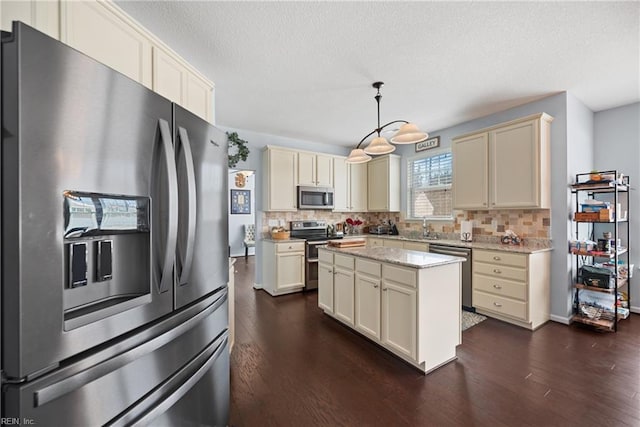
(114, 247)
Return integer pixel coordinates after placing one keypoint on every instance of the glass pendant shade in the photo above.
(409, 134)
(379, 145)
(358, 155)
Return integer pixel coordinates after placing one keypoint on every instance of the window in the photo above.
(429, 186)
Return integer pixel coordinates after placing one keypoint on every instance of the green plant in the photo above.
(243, 150)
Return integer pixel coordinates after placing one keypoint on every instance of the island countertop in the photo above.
(405, 257)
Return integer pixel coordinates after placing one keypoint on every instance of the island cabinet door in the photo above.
(368, 306)
(343, 297)
(399, 318)
(325, 287)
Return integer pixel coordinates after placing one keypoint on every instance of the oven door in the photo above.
(311, 264)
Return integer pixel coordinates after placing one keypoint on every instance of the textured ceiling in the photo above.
(304, 69)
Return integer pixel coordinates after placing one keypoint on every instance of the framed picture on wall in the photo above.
(240, 201)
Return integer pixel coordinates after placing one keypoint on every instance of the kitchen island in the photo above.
(409, 302)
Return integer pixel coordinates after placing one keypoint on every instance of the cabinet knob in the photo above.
(290, 247)
(495, 270)
(329, 271)
(497, 286)
(375, 286)
(497, 258)
(384, 289)
(497, 304)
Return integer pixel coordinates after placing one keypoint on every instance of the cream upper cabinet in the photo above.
(383, 184)
(470, 172)
(350, 186)
(341, 184)
(315, 170)
(41, 15)
(505, 166)
(173, 80)
(281, 171)
(99, 31)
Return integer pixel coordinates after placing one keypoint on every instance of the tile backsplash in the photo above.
(526, 223)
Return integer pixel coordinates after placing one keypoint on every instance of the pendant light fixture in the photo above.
(407, 134)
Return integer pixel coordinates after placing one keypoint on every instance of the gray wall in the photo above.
(556, 106)
(617, 146)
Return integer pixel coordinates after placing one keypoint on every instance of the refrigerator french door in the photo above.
(112, 210)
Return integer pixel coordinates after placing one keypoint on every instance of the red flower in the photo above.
(357, 222)
(349, 221)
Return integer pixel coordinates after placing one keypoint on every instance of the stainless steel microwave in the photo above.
(315, 197)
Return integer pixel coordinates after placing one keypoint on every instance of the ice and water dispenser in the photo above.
(108, 250)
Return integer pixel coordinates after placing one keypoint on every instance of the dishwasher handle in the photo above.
(450, 251)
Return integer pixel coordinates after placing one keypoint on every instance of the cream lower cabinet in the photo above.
(368, 299)
(416, 246)
(281, 170)
(343, 288)
(373, 242)
(506, 166)
(325, 281)
(399, 317)
(512, 287)
(283, 266)
(391, 243)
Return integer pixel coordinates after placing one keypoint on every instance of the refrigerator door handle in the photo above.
(166, 279)
(74, 382)
(186, 263)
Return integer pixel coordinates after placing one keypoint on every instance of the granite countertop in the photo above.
(531, 245)
(405, 257)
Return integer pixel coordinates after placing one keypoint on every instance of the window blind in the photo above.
(429, 185)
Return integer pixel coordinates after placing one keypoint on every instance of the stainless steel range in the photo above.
(315, 233)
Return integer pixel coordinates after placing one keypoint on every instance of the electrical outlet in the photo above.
(273, 223)
(494, 224)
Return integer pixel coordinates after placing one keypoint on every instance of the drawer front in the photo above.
(290, 247)
(393, 244)
(500, 287)
(371, 268)
(518, 274)
(416, 246)
(373, 242)
(501, 305)
(325, 256)
(343, 261)
(500, 258)
(404, 276)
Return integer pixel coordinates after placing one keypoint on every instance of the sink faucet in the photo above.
(427, 233)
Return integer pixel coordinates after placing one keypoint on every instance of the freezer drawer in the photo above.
(175, 372)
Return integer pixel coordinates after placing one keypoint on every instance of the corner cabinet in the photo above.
(281, 170)
(283, 266)
(506, 166)
(383, 184)
(601, 269)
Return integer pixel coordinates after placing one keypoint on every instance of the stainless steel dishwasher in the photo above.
(461, 252)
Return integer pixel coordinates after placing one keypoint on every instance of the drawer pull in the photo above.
(497, 258)
(497, 304)
(384, 289)
(375, 286)
(497, 286)
(497, 271)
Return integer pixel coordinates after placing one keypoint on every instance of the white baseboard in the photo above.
(635, 309)
(560, 319)
(257, 286)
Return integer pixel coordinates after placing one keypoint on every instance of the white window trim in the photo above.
(429, 153)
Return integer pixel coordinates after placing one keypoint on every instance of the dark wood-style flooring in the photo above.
(294, 366)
